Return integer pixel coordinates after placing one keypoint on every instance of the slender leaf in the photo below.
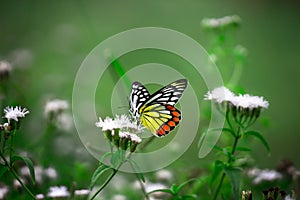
(104, 157)
(219, 166)
(137, 169)
(162, 190)
(174, 189)
(202, 138)
(260, 137)
(182, 185)
(29, 164)
(243, 149)
(234, 175)
(189, 196)
(98, 172)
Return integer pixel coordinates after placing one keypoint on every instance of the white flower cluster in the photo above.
(223, 94)
(40, 173)
(15, 113)
(214, 23)
(261, 175)
(5, 70)
(244, 108)
(56, 111)
(119, 122)
(55, 106)
(121, 131)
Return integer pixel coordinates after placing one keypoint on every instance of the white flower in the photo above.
(40, 196)
(219, 94)
(64, 122)
(164, 175)
(106, 124)
(248, 101)
(289, 198)
(50, 172)
(135, 138)
(5, 69)
(155, 186)
(58, 191)
(119, 122)
(38, 172)
(82, 192)
(3, 192)
(264, 175)
(214, 23)
(15, 113)
(55, 106)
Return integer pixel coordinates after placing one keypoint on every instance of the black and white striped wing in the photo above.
(168, 95)
(138, 96)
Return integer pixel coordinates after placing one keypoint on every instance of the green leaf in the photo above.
(219, 166)
(234, 175)
(260, 137)
(117, 158)
(97, 174)
(3, 169)
(174, 189)
(189, 196)
(243, 149)
(104, 157)
(29, 164)
(137, 169)
(162, 190)
(182, 185)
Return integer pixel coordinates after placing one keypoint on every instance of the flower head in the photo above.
(82, 192)
(3, 192)
(5, 70)
(219, 23)
(121, 131)
(261, 175)
(58, 191)
(15, 113)
(244, 108)
(248, 101)
(219, 95)
(55, 107)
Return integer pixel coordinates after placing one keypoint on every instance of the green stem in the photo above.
(142, 188)
(11, 148)
(16, 176)
(237, 137)
(105, 183)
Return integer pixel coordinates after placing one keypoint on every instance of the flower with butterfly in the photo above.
(155, 112)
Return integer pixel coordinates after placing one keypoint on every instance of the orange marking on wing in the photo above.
(176, 119)
(170, 107)
(175, 114)
(166, 128)
(160, 132)
(171, 123)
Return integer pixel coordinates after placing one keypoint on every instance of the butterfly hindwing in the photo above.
(160, 119)
(157, 112)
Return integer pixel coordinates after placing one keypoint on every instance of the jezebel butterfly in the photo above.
(156, 112)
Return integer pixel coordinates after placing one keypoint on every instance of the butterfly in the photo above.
(156, 112)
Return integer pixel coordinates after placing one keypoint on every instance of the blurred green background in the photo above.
(47, 41)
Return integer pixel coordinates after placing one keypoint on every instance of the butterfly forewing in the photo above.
(169, 94)
(138, 96)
